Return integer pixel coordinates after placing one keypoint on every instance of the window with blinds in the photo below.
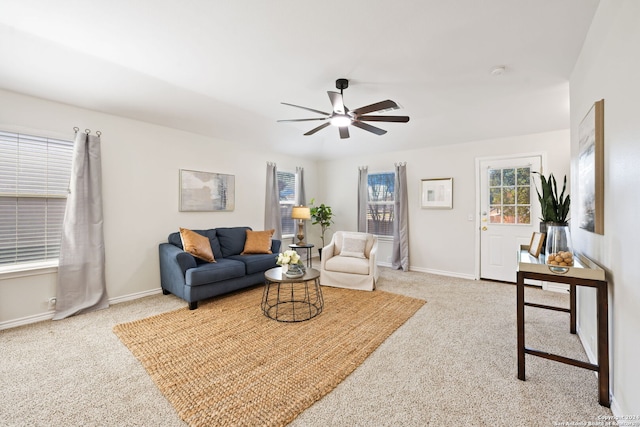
(34, 182)
(381, 194)
(287, 194)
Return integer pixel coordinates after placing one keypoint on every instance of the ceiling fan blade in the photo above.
(302, 120)
(344, 132)
(400, 119)
(381, 106)
(314, 130)
(305, 108)
(368, 127)
(336, 101)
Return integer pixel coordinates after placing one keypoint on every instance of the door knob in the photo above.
(484, 228)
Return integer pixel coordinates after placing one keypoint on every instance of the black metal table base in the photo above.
(292, 301)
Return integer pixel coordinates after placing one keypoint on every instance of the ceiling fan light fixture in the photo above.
(342, 117)
(340, 120)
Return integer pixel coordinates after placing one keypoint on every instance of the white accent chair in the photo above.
(349, 261)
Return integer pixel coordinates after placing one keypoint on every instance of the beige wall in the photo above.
(140, 179)
(608, 69)
(442, 241)
(140, 165)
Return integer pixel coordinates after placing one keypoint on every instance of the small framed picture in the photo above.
(536, 244)
(436, 193)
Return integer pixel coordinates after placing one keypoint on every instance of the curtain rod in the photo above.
(87, 131)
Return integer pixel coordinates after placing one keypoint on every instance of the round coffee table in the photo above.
(292, 300)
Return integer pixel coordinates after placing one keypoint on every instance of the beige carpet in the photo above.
(227, 364)
(453, 363)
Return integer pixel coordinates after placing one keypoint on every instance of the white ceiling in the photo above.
(221, 68)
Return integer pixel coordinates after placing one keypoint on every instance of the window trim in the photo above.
(26, 269)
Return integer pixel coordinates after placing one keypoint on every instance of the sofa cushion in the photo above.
(210, 273)
(258, 242)
(196, 244)
(174, 239)
(232, 239)
(256, 263)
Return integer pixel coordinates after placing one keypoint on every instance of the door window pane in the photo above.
(510, 195)
(508, 177)
(495, 196)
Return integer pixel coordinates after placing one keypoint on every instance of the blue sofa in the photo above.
(193, 280)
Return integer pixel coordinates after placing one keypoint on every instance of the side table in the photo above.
(583, 273)
(292, 300)
(306, 246)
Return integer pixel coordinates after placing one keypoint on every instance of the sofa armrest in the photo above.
(174, 263)
(275, 246)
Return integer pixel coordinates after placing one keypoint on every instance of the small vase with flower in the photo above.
(292, 266)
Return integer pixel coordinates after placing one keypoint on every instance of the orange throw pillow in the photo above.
(258, 242)
(196, 244)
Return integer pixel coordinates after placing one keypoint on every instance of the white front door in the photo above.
(509, 213)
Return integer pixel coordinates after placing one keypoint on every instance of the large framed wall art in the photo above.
(205, 191)
(591, 170)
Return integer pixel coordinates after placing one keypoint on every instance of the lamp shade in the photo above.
(300, 212)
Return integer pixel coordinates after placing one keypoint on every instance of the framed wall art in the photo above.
(591, 170)
(436, 193)
(205, 191)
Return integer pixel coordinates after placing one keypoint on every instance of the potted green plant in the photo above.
(555, 222)
(321, 215)
(555, 208)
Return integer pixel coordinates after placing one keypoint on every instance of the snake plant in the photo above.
(554, 208)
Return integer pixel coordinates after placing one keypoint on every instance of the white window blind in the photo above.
(287, 194)
(380, 214)
(34, 182)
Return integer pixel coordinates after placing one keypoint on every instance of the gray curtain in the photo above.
(363, 172)
(81, 272)
(272, 202)
(400, 250)
(300, 193)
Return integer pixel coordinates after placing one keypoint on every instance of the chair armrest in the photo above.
(373, 265)
(275, 246)
(327, 254)
(373, 254)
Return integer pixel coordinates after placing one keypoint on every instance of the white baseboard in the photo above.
(443, 273)
(14, 323)
(136, 295)
(555, 287)
(432, 271)
(8, 324)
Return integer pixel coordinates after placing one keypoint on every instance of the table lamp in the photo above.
(300, 213)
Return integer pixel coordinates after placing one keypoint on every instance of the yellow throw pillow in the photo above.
(258, 242)
(196, 244)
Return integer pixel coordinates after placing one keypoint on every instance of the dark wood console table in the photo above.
(583, 273)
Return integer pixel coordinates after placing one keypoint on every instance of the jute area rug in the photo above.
(226, 364)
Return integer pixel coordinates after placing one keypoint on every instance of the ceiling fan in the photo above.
(342, 117)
